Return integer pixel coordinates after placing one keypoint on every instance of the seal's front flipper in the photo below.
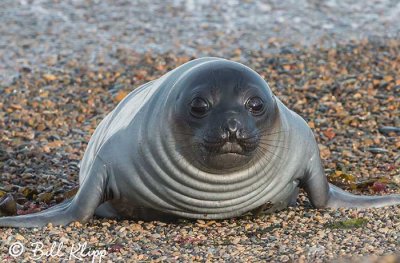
(79, 208)
(57, 215)
(322, 194)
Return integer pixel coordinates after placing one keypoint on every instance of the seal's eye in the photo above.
(255, 105)
(199, 107)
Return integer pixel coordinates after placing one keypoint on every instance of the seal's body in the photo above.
(207, 140)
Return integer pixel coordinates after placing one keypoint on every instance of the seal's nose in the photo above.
(232, 127)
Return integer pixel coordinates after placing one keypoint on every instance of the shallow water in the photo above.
(45, 33)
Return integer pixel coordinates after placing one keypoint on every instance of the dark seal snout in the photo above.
(231, 138)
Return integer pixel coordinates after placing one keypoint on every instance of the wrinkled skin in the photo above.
(207, 140)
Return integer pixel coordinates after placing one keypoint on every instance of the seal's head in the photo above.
(222, 111)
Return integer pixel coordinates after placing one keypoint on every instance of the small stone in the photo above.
(106, 224)
(324, 151)
(19, 237)
(389, 129)
(49, 77)
(8, 206)
(45, 197)
(236, 240)
(376, 150)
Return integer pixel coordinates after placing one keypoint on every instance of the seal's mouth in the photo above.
(230, 148)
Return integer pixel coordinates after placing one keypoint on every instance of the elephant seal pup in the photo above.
(207, 140)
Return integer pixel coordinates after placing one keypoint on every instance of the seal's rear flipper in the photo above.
(323, 194)
(80, 208)
(340, 198)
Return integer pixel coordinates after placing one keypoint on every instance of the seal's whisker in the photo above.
(271, 140)
(251, 139)
(272, 133)
(267, 159)
(263, 160)
(258, 157)
(186, 138)
(183, 133)
(268, 150)
(275, 146)
(272, 143)
(269, 128)
(178, 141)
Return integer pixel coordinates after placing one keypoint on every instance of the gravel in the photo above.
(299, 234)
(65, 65)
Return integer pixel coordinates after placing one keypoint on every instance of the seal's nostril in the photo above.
(240, 134)
(225, 135)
